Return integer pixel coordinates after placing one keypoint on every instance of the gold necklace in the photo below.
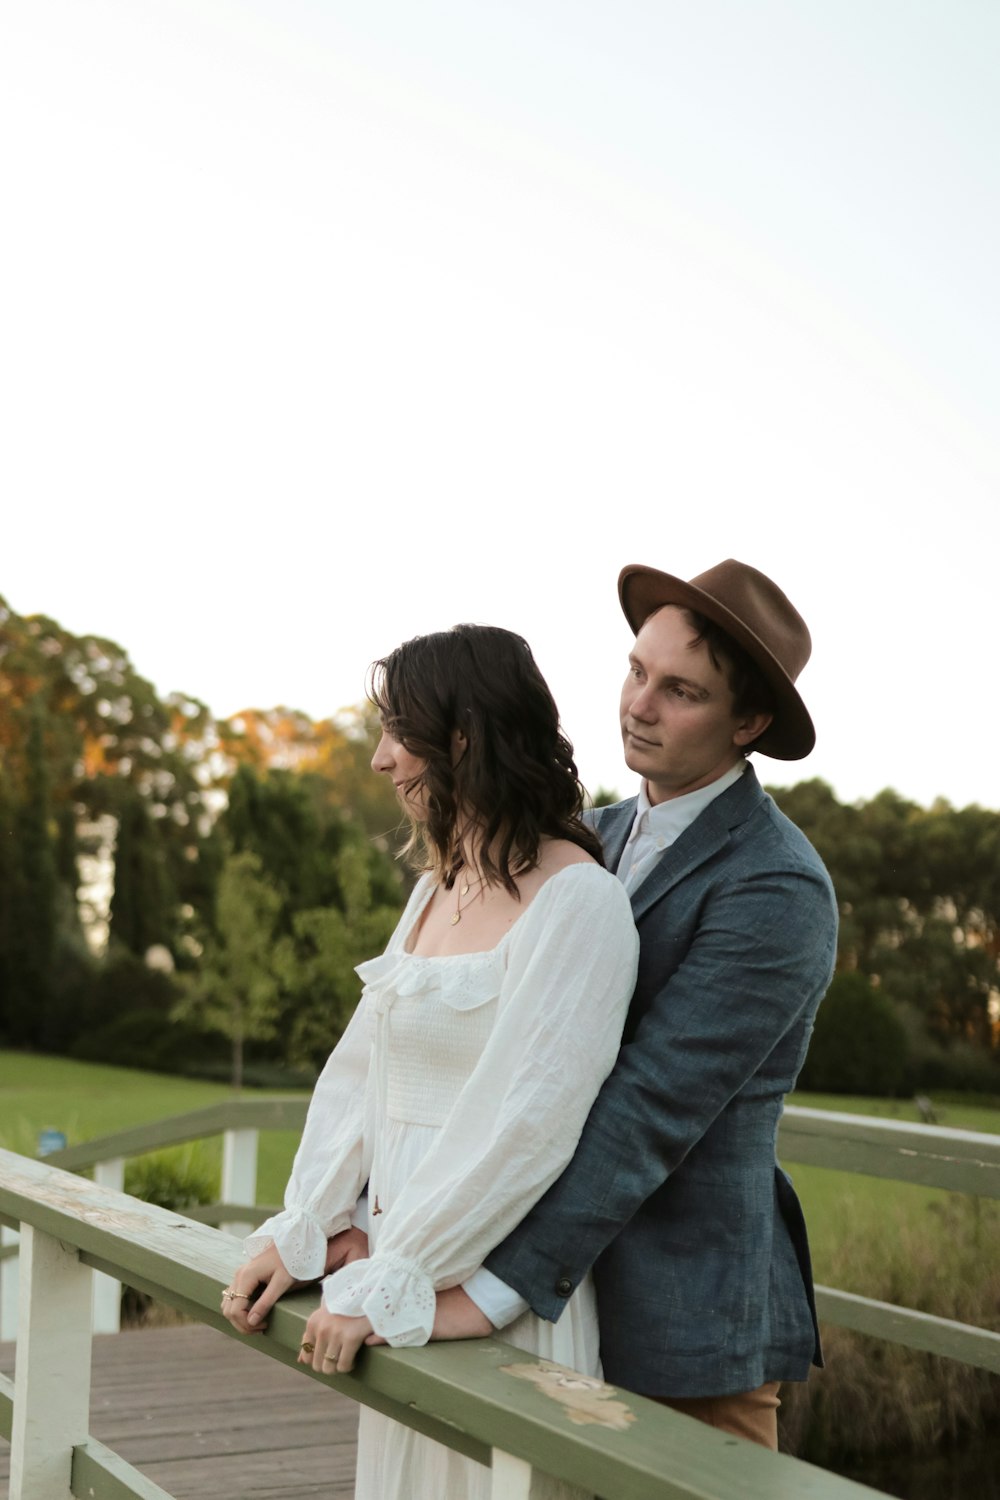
(463, 889)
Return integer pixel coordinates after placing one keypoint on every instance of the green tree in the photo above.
(317, 961)
(919, 895)
(237, 991)
(142, 904)
(29, 879)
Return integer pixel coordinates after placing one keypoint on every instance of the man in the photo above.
(674, 1196)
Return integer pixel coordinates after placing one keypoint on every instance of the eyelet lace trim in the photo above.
(300, 1239)
(393, 1293)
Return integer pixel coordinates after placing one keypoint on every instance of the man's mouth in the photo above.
(641, 739)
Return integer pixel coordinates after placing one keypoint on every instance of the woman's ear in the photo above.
(459, 745)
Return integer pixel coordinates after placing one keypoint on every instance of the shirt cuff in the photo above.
(359, 1218)
(494, 1297)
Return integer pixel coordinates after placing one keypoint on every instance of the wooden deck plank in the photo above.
(198, 1412)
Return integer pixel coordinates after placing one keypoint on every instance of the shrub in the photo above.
(127, 1013)
(175, 1179)
(876, 1399)
(859, 1044)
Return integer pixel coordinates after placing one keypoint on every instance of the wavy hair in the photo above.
(516, 782)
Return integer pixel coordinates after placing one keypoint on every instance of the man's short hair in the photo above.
(752, 693)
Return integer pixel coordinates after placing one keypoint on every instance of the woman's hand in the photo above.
(331, 1342)
(240, 1303)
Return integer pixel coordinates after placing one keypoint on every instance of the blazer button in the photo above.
(564, 1286)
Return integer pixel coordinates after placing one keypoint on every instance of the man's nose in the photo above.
(641, 706)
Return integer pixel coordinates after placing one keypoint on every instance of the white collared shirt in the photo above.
(654, 829)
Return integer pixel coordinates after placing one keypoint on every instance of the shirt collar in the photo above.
(669, 819)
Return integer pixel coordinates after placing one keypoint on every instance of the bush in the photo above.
(859, 1044)
(175, 1179)
(875, 1399)
(961, 1068)
(127, 1011)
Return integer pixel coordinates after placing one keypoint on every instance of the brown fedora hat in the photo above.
(754, 611)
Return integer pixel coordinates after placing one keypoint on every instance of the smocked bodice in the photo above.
(436, 1015)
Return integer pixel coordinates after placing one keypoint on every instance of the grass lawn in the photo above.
(871, 1207)
(86, 1099)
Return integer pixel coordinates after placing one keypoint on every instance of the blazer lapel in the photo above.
(614, 825)
(708, 833)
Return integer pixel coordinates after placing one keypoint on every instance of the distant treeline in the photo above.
(916, 1000)
(192, 894)
(176, 891)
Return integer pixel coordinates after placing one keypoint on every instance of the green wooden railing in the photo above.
(465, 1395)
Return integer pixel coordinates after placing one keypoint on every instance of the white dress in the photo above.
(458, 1093)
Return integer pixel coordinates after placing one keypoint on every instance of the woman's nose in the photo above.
(382, 759)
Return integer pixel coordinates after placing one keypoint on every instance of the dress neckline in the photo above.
(420, 907)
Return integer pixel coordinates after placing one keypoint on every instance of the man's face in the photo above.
(678, 724)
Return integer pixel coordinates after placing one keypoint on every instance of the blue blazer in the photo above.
(674, 1195)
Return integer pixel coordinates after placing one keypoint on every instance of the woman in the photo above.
(460, 1087)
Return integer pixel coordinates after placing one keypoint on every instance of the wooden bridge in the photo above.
(201, 1414)
(185, 1412)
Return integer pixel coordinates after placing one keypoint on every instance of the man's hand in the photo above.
(458, 1317)
(348, 1245)
(455, 1317)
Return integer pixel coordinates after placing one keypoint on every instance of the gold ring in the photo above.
(243, 1296)
(309, 1348)
(329, 1356)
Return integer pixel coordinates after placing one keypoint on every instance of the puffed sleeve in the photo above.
(571, 968)
(333, 1160)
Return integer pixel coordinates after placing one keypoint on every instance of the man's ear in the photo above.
(752, 728)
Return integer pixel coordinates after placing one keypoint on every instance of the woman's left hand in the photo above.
(335, 1342)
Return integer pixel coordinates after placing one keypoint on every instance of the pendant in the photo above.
(456, 919)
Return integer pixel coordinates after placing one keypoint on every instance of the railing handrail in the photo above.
(471, 1395)
(929, 1155)
(271, 1112)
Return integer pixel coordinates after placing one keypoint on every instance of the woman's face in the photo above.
(406, 770)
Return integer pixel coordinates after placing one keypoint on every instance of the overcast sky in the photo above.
(330, 323)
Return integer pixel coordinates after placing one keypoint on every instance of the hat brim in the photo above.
(642, 590)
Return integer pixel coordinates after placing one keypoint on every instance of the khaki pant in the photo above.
(751, 1414)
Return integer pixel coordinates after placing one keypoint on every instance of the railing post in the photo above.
(52, 1371)
(511, 1478)
(108, 1291)
(8, 1286)
(239, 1173)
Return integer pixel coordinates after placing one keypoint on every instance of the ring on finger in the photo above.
(328, 1355)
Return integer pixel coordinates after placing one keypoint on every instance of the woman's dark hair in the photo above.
(516, 779)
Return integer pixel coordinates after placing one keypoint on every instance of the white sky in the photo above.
(327, 323)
